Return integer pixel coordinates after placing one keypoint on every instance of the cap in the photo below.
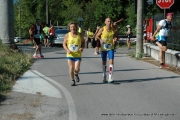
(169, 14)
(128, 26)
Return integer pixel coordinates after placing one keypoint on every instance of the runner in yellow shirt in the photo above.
(74, 45)
(106, 35)
(90, 38)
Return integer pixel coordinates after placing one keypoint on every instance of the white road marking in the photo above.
(31, 83)
(72, 109)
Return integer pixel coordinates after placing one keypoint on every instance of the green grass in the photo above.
(124, 44)
(13, 63)
(131, 53)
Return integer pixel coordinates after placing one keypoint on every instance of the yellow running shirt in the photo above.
(107, 37)
(73, 45)
(90, 34)
(79, 30)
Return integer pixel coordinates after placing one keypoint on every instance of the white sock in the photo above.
(104, 70)
(110, 70)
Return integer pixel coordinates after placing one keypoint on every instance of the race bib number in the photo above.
(107, 46)
(74, 48)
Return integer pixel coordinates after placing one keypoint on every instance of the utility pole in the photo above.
(47, 21)
(139, 33)
(20, 19)
(7, 21)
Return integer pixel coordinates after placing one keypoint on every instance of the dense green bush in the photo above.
(13, 63)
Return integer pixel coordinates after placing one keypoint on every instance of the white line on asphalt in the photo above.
(72, 109)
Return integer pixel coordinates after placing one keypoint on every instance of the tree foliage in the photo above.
(93, 12)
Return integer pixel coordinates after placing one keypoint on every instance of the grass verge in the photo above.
(13, 63)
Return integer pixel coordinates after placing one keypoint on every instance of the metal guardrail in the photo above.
(123, 38)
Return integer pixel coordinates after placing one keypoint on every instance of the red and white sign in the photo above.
(164, 4)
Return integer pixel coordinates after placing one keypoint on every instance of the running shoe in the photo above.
(95, 53)
(35, 56)
(165, 66)
(73, 83)
(76, 77)
(104, 79)
(42, 56)
(161, 66)
(110, 80)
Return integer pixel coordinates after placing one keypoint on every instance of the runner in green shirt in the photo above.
(45, 30)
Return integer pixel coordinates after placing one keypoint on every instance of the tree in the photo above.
(92, 11)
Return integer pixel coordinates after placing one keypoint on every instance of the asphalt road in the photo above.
(141, 91)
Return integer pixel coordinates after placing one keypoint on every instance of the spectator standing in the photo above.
(89, 38)
(129, 35)
(97, 42)
(37, 31)
(31, 32)
(51, 36)
(46, 33)
(144, 31)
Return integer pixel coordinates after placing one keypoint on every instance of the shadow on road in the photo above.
(145, 79)
(117, 82)
(107, 71)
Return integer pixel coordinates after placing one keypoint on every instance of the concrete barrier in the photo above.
(172, 57)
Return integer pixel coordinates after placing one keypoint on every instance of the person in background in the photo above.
(31, 32)
(37, 31)
(144, 31)
(42, 36)
(97, 42)
(114, 26)
(51, 36)
(90, 38)
(74, 45)
(80, 30)
(46, 33)
(163, 29)
(128, 33)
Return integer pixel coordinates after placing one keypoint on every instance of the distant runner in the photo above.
(38, 30)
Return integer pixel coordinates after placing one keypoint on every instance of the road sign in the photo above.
(164, 4)
(150, 2)
(80, 19)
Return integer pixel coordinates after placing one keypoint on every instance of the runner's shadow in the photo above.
(144, 80)
(118, 82)
(93, 83)
(92, 57)
(60, 53)
(108, 71)
(54, 58)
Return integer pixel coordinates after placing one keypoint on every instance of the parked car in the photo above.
(59, 36)
(17, 39)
